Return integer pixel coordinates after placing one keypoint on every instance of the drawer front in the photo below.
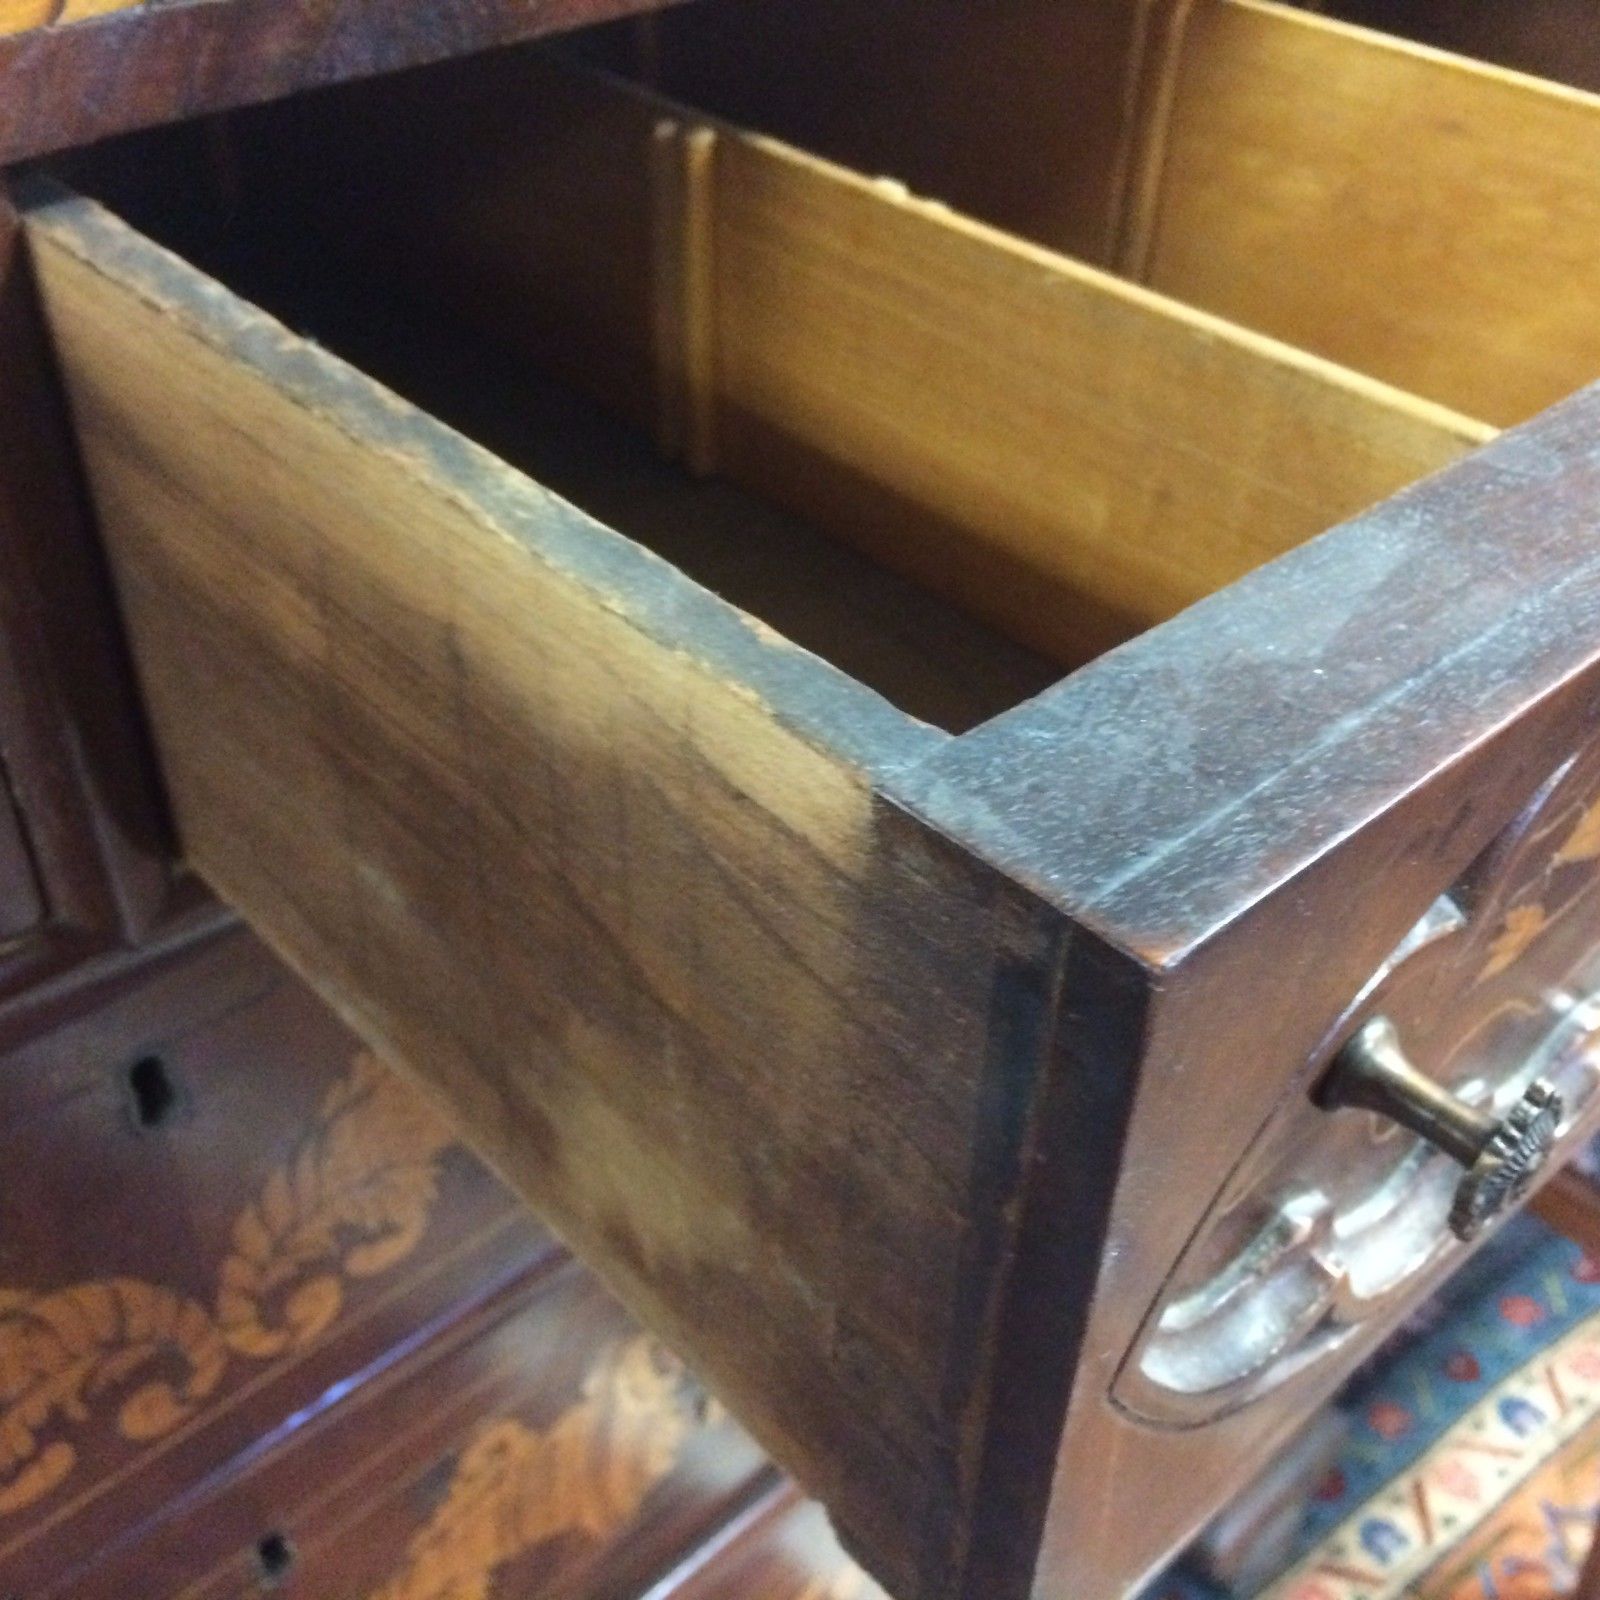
(546, 1447)
(916, 1085)
(218, 1210)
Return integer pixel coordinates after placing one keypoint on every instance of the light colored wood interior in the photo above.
(926, 91)
(925, 654)
(1426, 219)
(1078, 458)
(1062, 455)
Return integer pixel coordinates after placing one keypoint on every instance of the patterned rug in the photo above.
(1473, 1467)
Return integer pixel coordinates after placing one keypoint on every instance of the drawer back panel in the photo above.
(1271, 193)
(1252, 172)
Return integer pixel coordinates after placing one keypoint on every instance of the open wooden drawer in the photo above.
(1426, 219)
(918, 1014)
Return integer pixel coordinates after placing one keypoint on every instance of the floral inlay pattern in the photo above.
(351, 1201)
(517, 1487)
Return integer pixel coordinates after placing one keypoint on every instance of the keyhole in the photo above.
(152, 1091)
(274, 1557)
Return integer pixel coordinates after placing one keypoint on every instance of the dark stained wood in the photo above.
(21, 906)
(79, 778)
(846, 1050)
(219, 1213)
(1264, 795)
(136, 68)
(1570, 1203)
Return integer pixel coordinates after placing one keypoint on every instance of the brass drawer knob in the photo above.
(1501, 1154)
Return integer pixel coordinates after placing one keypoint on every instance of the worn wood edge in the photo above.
(1094, 1003)
(1394, 44)
(1389, 648)
(962, 1409)
(140, 67)
(816, 701)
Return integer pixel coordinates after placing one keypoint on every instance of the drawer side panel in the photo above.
(596, 860)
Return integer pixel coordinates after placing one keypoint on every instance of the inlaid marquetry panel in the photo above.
(545, 1448)
(215, 1209)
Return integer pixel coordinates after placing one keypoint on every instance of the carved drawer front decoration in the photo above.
(1336, 1212)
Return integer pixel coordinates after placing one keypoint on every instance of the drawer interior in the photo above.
(1237, 154)
(951, 461)
(760, 991)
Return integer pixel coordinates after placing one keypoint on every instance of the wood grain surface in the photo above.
(1066, 456)
(905, 89)
(542, 1445)
(1237, 154)
(140, 65)
(878, 1070)
(1461, 272)
(1266, 793)
(1550, 38)
(220, 1213)
(704, 982)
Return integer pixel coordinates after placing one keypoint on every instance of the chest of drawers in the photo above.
(826, 726)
